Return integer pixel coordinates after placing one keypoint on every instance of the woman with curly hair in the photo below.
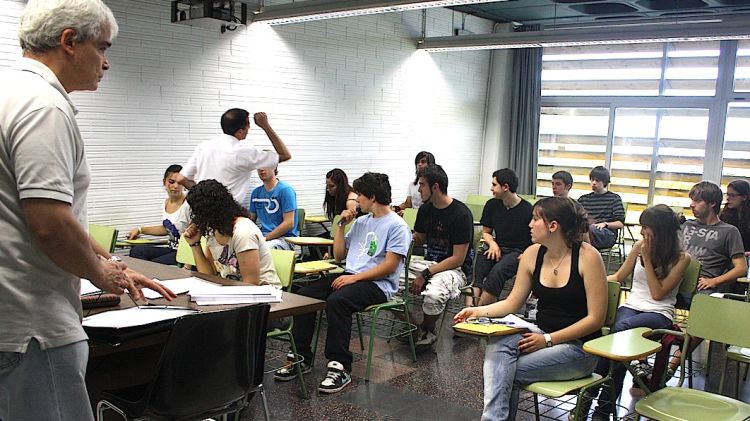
(657, 263)
(236, 247)
(737, 210)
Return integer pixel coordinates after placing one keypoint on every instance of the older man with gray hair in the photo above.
(44, 178)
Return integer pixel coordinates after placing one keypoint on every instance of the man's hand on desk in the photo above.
(114, 279)
(139, 280)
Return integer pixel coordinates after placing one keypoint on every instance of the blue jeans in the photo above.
(506, 369)
(45, 384)
(626, 318)
(163, 255)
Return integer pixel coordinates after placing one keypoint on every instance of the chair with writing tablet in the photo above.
(104, 235)
(211, 365)
(556, 389)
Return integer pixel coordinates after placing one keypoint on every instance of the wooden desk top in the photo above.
(142, 241)
(292, 304)
(319, 219)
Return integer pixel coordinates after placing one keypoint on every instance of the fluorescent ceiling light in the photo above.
(310, 10)
(731, 29)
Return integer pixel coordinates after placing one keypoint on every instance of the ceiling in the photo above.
(557, 12)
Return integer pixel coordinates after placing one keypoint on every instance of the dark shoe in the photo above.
(336, 379)
(289, 371)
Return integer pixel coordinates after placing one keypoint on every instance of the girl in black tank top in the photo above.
(569, 279)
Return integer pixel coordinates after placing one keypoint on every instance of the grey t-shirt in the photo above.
(41, 157)
(712, 245)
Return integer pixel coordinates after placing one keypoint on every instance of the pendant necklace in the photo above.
(559, 263)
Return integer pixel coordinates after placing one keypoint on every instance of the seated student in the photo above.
(657, 264)
(274, 206)
(568, 278)
(175, 218)
(737, 210)
(604, 208)
(375, 249)
(413, 198)
(562, 182)
(339, 194)
(236, 248)
(508, 215)
(446, 227)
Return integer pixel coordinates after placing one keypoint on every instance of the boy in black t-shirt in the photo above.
(508, 215)
(445, 226)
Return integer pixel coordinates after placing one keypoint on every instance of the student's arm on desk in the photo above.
(149, 230)
(57, 232)
(452, 262)
(385, 268)
(739, 269)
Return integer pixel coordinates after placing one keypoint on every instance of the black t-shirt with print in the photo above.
(445, 228)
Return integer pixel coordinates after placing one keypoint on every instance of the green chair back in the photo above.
(185, 254)
(477, 199)
(613, 300)
(300, 220)
(335, 226)
(283, 261)
(476, 210)
(529, 198)
(104, 235)
(720, 320)
(410, 217)
(690, 278)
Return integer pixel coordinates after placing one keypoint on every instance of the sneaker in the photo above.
(426, 340)
(336, 379)
(289, 371)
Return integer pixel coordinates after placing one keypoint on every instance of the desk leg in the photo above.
(318, 322)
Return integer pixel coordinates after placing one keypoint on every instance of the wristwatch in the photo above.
(426, 274)
(548, 339)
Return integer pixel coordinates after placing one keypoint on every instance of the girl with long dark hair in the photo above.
(413, 198)
(657, 263)
(567, 276)
(737, 209)
(339, 194)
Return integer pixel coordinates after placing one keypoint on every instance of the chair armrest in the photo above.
(626, 345)
(665, 332)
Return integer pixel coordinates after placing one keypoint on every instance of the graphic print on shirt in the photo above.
(438, 243)
(368, 246)
(172, 232)
(227, 265)
(271, 205)
(708, 236)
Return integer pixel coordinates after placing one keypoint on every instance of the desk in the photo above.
(133, 362)
(142, 242)
(309, 241)
(318, 219)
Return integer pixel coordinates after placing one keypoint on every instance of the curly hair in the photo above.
(213, 208)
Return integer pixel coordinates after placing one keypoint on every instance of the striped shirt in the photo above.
(605, 207)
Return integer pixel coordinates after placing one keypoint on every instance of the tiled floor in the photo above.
(445, 385)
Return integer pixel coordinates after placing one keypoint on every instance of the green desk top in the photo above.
(309, 241)
(319, 219)
(627, 345)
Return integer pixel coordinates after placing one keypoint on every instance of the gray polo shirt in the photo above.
(41, 156)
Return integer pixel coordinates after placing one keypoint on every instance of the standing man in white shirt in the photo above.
(229, 160)
(44, 179)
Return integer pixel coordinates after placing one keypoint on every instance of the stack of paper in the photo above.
(135, 316)
(244, 294)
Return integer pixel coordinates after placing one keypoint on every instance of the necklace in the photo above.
(559, 263)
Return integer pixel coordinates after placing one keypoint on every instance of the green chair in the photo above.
(476, 212)
(104, 235)
(477, 199)
(739, 355)
(410, 217)
(283, 261)
(529, 198)
(619, 247)
(184, 254)
(678, 403)
(398, 304)
(300, 220)
(556, 389)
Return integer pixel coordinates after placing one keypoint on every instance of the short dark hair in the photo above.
(565, 176)
(435, 174)
(600, 173)
(709, 193)
(233, 120)
(507, 176)
(174, 168)
(374, 185)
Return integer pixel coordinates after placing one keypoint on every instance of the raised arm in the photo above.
(261, 120)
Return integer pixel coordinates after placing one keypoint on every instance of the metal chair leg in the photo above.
(411, 337)
(536, 406)
(298, 368)
(374, 317)
(359, 330)
(265, 402)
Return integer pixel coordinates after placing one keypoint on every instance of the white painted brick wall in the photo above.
(352, 93)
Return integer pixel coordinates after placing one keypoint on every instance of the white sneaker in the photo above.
(426, 339)
(336, 379)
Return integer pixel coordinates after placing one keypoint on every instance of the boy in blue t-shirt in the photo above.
(274, 206)
(375, 249)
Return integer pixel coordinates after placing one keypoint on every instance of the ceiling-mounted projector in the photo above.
(221, 15)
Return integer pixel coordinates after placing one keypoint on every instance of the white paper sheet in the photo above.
(175, 285)
(88, 288)
(135, 316)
